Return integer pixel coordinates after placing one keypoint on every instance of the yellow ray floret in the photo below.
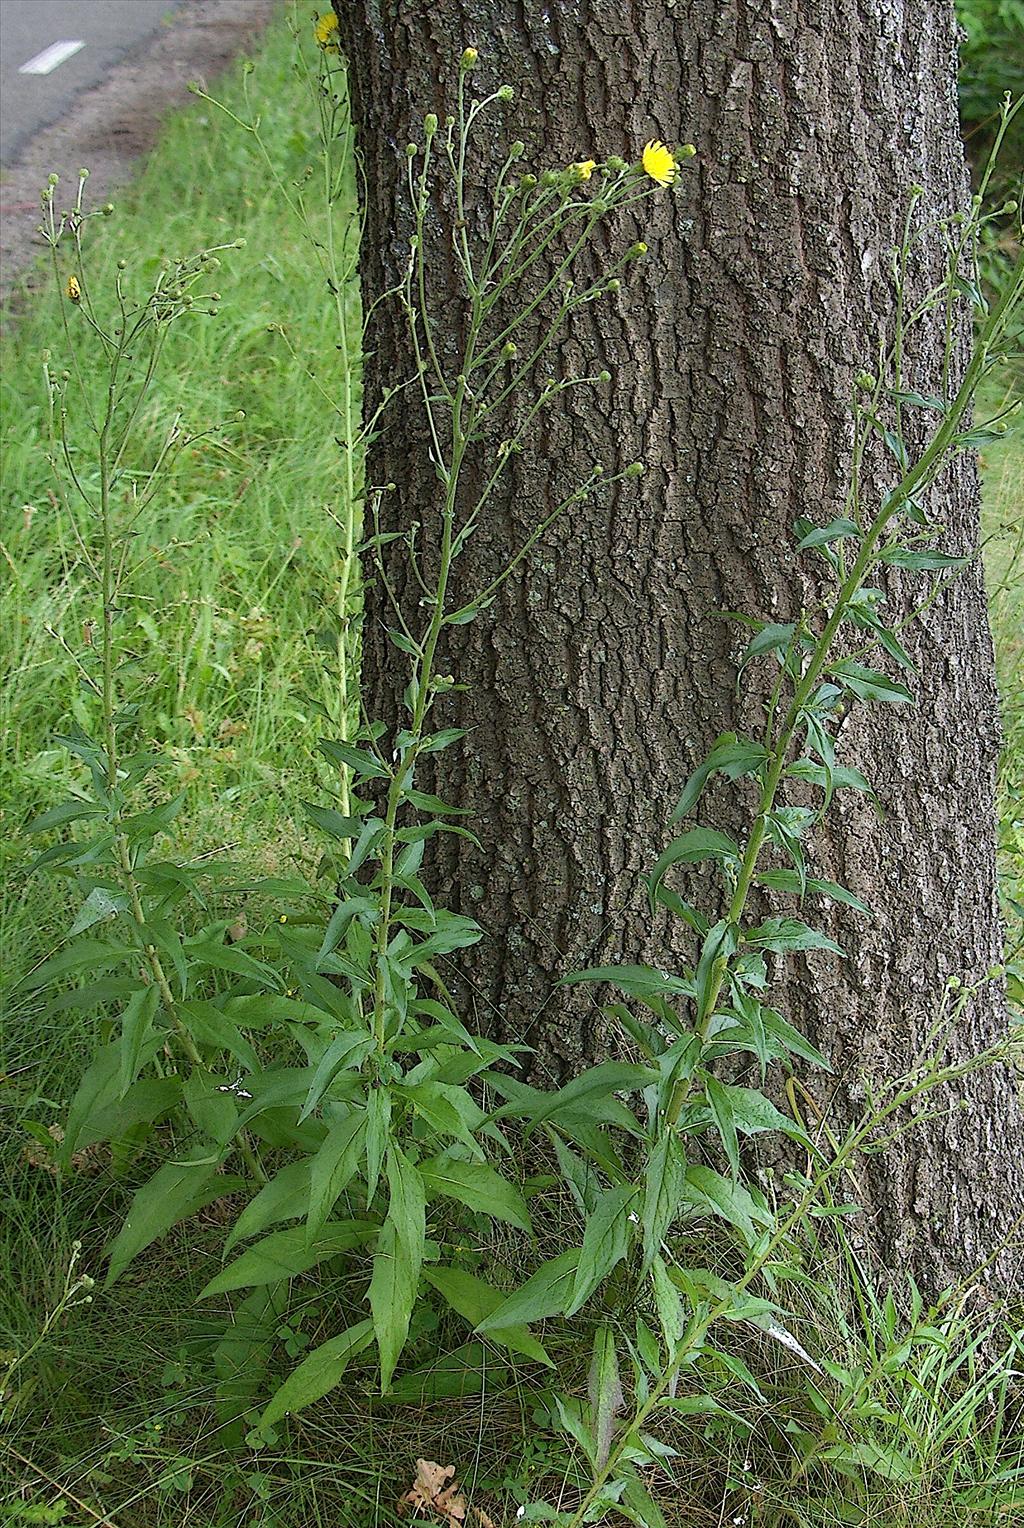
(326, 31)
(584, 168)
(660, 163)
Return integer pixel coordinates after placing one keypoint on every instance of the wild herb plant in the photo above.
(642, 1179)
(318, 1069)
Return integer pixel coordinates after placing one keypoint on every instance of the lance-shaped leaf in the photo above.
(546, 1293)
(317, 1374)
(730, 756)
(333, 1167)
(476, 1185)
(690, 848)
(870, 684)
(475, 1300)
(605, 1243)
(175, 1191)
(604, 1391)
(663, 1186)
(286, 1254)
(707, 1189)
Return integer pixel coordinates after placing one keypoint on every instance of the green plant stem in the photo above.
(694, 1337)
(919, 476)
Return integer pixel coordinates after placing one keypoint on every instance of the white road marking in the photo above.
(51, 58)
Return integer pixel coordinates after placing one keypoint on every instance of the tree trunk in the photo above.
(600, 677)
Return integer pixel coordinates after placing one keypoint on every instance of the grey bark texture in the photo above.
(600, 677)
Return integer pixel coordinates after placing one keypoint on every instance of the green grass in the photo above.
(235, 614)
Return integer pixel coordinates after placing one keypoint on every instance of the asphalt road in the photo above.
(109, 30)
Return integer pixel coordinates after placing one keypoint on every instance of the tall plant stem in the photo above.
(918, 477)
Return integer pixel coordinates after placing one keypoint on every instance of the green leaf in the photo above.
(211, 1106)
(231, 957)
(378, 1125)
(663, 1184)
(407, 1204)
(637, 1503)
(60, 816)
(95, 1093)
(605, 1243)
(728, 756)
(362, 764)
(690, 848)
(598, 1081)
(870, 684)
(346, 1052)
(546, 1293)
(438, 1104)
(99, 906)
(635, 981)
(90, 955)
(669, 1306)
(835, 530)
(392, 1296)
(604, 1391)
(331, 822)
(773, 638)
(753, 1113)
(789, 880)
(285, 1197)
(785, 935)
(144, 1102)
(334, 1165)
(211, 1026)
(175, 1191)
(136, 1022)
(317, 1374)
(475, 1300)
(286, 1254)
(476, 1185)
(910, 557)
(465, 1372)
(707, 1189)
(721, 1112)
(781, 1030)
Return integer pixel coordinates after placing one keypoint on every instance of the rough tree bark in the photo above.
(600, 677)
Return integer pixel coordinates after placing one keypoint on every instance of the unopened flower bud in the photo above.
(508, 350)
(517, 149)
(506, 94)
(604, 376)
(616, 164)
(527, 182)
(53, 180)
(122, 264)
(468, 58)
(866, 382)
(613, 285)
(634, 470)
(83, 174)
(411, 150)
(430, 124)
(638, 251)
(549, 178)
(239, 415)
(685, 151)
(108, 209)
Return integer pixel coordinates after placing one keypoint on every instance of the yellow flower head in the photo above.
(660, 162)
(326, 31)
(74, 290)
(584, 168)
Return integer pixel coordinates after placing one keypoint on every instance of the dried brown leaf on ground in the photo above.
(435, 1493)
